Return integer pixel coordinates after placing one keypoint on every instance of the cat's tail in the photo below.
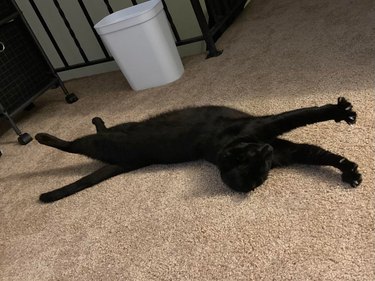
(98, 176)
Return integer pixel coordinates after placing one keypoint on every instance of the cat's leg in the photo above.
(287, 153)
(273, 126)
(101, 128)
(96, 177)
(108, 147)
(49, 140)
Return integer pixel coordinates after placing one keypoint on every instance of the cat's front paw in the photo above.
(351, 175)
(345, 111)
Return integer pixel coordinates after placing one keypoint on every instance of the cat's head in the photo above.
(244, 166)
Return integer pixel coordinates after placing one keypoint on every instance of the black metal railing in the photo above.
(221, 13)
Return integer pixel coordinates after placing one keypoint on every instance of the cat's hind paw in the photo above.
(346, 112)
(97, 120)
(99, 124)
(44, 138)
(49, 140)
(47, 197)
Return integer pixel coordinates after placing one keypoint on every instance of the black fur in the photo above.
(242, 146)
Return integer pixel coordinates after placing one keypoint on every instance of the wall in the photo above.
(181, 11)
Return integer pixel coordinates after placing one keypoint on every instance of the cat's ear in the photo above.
(265, 150)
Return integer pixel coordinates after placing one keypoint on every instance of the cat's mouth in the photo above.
(243, 179)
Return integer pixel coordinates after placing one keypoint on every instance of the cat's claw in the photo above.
(355, 183)
(345, 111)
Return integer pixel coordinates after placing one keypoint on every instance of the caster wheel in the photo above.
(71, 98)
(24, 139)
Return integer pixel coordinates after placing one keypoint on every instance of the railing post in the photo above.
(207, 36)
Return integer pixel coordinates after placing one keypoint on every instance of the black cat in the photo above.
(243, 147)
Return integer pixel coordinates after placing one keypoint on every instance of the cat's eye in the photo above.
(241, 157)
(227, 155)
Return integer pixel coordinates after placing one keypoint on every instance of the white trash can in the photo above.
(140, 40)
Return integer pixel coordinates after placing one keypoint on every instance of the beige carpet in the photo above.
(180, 222)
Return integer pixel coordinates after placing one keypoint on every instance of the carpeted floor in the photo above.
(180, 222)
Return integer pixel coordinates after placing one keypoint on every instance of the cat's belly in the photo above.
(156, 150)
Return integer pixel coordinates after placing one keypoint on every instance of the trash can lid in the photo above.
(129, 16)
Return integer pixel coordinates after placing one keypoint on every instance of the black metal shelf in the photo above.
(32, 98)
(25, 71)
(9, 18)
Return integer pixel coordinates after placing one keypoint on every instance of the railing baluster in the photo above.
(173, 27)
(212, 13)
(87, 15)
(109, 8)
(220, 12)
(212, 51)
(48, 31)
(67, 24)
